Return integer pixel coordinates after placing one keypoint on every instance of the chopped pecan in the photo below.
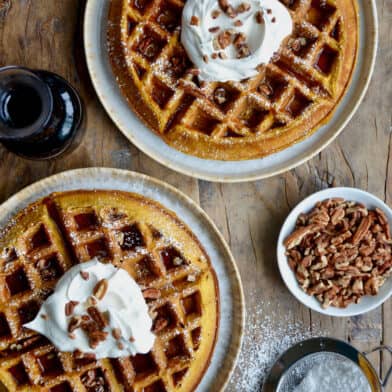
(327, 273)
(223, 4)
(220, 97)
(319, 288)
(260, 17)
(100, 289)
(243, 51)
(215, 14)
(322, 263)
(362, 230)
(91, 301)
(88, 378)
(243, 7)
(195, 21)
(70, 307)
(214, 29)
(151, 293)
(74, 323)
(239, 39)
(89, 325)
(227, 8)
(302, 271)
(307, 261)
(295, 238)
(85, 275)
(382, 217)
(297, 43)
(97, 316)
(265, 89)
(373, 284)
(96, 337)
(341, 238)
(160, 324)
(366, 249)
(337, 215)
(231, 12)
(320, 217)
(43, 264)
(224, 39)
(357, 286)
(116, 332)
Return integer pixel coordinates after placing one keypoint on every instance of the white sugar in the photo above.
(334, 376)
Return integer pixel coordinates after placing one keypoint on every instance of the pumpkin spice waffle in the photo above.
(290, 98)
(134, 233)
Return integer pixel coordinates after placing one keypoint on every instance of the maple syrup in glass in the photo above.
(40, 113)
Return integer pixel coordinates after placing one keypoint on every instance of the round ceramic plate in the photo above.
(95, 24)
(367, 303)
(230, 290)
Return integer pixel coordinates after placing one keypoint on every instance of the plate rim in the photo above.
(238, 324)
(360, 90)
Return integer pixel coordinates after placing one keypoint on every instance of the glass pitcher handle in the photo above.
(389, 372)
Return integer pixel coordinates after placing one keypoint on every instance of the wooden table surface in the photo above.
(47, 34)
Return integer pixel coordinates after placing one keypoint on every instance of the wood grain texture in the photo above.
(46, 34)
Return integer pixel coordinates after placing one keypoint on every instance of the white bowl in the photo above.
(367, 303)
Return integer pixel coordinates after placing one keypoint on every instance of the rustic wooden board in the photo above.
(47, 34)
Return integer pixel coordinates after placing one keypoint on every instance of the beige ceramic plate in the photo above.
(232, 309)
(95, 24)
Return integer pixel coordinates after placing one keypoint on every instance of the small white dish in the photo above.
(367, 303)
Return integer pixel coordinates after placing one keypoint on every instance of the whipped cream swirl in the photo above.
(123, 305)
(200, 22)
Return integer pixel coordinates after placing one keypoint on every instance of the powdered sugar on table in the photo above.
(265, 338)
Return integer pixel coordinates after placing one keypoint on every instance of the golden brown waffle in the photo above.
(133, 233)
(288, 100)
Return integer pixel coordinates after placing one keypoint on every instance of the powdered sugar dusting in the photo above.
(332, 373)
(265, 338)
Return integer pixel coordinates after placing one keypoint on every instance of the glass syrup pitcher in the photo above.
(40, 113)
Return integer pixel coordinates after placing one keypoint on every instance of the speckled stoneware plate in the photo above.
(231, 295)
(95, 24)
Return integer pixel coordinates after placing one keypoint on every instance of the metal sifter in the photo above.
(290, 369)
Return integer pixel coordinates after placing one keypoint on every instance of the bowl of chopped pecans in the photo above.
(335, 252)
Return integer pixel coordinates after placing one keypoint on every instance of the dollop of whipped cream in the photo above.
(123, 306)
(263, 24)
